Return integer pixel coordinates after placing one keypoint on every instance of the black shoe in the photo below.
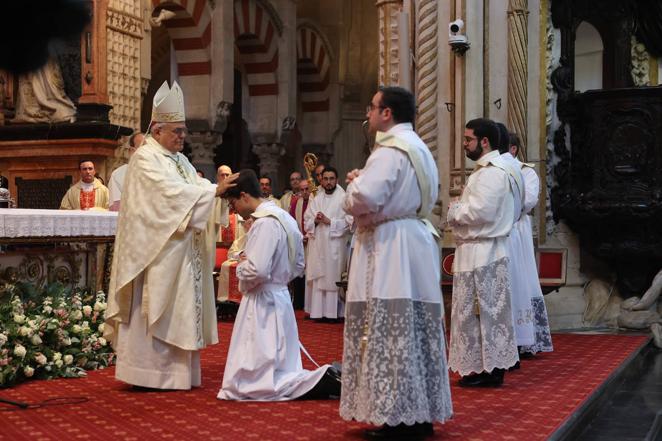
(484, 379)
(526, 355)
(328, 388)
(514, 367)
(418, 431)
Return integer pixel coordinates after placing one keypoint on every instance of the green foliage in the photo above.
(50, 332)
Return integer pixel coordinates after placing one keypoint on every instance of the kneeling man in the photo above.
(264, 359)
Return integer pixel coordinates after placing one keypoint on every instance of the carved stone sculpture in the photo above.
(41, 97)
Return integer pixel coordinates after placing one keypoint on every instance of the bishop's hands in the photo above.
(352, 175)
(225, 184)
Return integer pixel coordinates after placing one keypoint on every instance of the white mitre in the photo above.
(168, 105)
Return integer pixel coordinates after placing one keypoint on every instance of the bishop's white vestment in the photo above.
(327, 253)
(542, 334)
(394, 357)
(482, 334)
(161, 308)
(520, 298)
(264, 358)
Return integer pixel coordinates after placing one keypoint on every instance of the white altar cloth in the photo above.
(21, 222)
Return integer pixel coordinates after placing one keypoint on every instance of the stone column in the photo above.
(427, 49)
(389, 53)
(517, 70)
(269, 154)
(203, 144)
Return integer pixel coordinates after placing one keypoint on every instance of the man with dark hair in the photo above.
(88, 193)
(520, 298)
(482, 128)
(527, 258)
(265, 187)
(264, 358)
(327, 228)
(394, 357)
(482, 336)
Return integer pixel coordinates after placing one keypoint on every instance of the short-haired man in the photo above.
(223, 172)
(327, 227)
(520, 298)
(286, 199)
(482, 337)
(88, 193)
(527, 263)
(116, 182)
(318, 174)
(394, 357)
(265, 187)
(264, 358)
(297, 210)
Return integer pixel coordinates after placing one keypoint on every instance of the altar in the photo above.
(73, 247)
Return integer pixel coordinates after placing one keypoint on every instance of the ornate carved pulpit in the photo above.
(609, 179)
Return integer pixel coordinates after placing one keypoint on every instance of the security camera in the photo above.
(456, 39)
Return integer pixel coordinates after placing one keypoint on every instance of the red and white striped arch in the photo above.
(313, 69)
(256, 30)
(190, 31)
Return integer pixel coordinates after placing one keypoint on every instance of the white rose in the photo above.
(48, 309)
(57, 356)
(19, 351)
(100, 306)
(102, 341)
(28, 371)
(24, 331)
(3, 340)
(41, 359)
(102, 326)
(76, 329)
(58, 363)
(85, 325)
(76, 315)
(68, 359)
(66, 342)
(87, 310)
(19, 318)
(36, 340)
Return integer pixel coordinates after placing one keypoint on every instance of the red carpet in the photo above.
(534, 401)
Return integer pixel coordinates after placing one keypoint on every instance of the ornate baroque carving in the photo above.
(125, 30)
(427, 22)
(640, 63)
(389, 59)
(269, 154)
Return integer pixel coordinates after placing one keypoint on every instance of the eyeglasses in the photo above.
(370, 107)
(468, 139)
(180, 131)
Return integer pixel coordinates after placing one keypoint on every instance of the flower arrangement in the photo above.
(50, 333)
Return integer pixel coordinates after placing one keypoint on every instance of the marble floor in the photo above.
(632, 410)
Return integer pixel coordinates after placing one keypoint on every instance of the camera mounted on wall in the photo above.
(456, 39)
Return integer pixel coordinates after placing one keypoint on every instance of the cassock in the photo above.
(161, 308)
(327, 253)
(286, 200)
(394, 356)
(82, 196)
(542, 334)
(482, 334)
(116, 183)
(520, 297)
(264, 359)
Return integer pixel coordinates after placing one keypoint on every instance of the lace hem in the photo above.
(541, 323)
(399, 374)
(486, 341)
